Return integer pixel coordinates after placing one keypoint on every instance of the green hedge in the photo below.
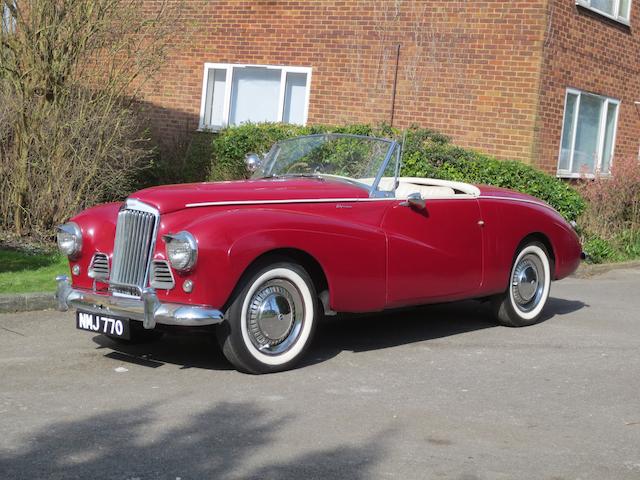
(426, 154)
(429, 154)
(185, 159)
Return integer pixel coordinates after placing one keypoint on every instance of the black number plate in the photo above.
(112, 326)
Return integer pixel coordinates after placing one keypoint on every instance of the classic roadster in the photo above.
(324, 226)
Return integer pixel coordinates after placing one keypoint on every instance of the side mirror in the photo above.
(252, 161)
(415, 201)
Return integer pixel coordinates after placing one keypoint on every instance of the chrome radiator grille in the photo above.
(135, 232)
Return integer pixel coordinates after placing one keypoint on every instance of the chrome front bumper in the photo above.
(147, 309)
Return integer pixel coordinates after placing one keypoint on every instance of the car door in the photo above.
(435, 253)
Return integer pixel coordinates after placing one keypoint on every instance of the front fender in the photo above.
(351, 255)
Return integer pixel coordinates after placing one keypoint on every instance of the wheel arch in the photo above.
(544, 240)
(293, 255)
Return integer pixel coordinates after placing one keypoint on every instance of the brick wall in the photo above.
(468, 69)
(589, 52)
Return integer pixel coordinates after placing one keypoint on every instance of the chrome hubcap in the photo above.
(527, 282)
(275, 316)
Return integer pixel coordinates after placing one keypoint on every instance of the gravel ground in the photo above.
(438, 392)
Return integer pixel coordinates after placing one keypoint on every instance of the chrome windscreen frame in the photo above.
(394, 147)
(134, 204)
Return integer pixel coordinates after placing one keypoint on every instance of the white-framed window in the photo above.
(588, 134)
(235, 94)
(619, 10)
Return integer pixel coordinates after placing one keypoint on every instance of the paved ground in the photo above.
(434, 393)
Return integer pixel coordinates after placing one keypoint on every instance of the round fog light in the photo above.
(187, 286)
(75, 269)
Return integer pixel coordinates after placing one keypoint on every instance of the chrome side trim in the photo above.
(318, 200)
(279, 202)
(521, 200)
(148, 309)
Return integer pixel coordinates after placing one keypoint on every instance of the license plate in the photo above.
(112, 326)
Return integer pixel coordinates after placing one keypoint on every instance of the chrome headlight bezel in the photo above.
(182, 250)
(69, 239)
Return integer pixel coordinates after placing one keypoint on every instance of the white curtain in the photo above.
(294, 98)
(254, 96)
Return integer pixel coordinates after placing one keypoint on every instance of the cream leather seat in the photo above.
(425, 191)
(407, 188)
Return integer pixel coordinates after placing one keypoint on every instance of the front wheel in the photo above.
(271, 320)
(529, 284)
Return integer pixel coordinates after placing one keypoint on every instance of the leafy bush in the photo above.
(69, 75)
(184, 159)
(426, 154)
(435, 157)
(611, 221)
(599, 250)
(614, 201)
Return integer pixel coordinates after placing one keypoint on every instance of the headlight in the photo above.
(69, 239)
(182, 250)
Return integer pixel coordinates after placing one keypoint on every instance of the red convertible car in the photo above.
(324, 226)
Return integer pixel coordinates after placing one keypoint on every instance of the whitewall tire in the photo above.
(271, 320)
(528, 291)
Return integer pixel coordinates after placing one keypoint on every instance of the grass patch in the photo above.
(22, 272)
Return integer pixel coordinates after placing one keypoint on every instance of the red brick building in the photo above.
(548, 82)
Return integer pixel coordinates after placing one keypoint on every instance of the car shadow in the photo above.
(185, 350)
(422, 324)
(221, 441)
(355, 333)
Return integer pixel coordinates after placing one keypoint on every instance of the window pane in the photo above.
(295, 98)
(567, 131)
(255, 94)
(624, 9)
(214, 103)
(604, 5)
(607, 149)
(585, 155)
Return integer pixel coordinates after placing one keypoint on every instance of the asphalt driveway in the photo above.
(439, 392)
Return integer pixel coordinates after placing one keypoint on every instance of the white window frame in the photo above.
(601, 134)
(230, 68)
(616, 8)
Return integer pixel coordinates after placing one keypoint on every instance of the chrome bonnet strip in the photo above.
(316, 200)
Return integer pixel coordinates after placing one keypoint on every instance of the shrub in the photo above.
(183, 159)
(599, 250)
(614, 201)
(437, 158)
(426, 154)
(611, 221)
(69, 74)
(78, 155)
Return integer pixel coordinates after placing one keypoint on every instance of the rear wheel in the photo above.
(271, 320)
(529, 284)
